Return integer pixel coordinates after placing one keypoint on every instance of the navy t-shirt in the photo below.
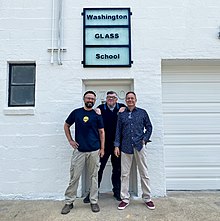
(87, 124)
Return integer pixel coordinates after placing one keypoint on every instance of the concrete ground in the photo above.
(177, 206)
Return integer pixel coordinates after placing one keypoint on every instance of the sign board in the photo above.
(106, 37)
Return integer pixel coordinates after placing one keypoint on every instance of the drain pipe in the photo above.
(52, 32)
(59, 39)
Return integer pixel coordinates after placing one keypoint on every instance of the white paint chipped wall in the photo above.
(34, 154)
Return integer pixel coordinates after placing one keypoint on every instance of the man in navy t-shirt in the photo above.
(109, 111)
(87, 147)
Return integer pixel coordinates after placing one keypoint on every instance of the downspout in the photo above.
(59, 39)
(52, 32)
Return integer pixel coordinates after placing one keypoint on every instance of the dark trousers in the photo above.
(116, 170)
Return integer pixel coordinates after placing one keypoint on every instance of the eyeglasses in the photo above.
(111, 97)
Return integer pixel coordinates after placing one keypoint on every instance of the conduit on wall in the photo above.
(57, 32)
(52, 31)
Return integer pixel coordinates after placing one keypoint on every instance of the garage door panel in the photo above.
(191, 92)
(181, 98)
(193, 172)
(190, 156)
(192, 139)
(192, 123)
(193, 184)
(189, 88)
(190, 77)
(173, 108)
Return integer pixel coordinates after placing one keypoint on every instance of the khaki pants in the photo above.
(78, 161)
(141, 160)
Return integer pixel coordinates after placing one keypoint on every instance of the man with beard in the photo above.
(87, 147)
(109, 111)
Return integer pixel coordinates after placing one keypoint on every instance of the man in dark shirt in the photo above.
(132, 134)
(109, 111)
(87, 147)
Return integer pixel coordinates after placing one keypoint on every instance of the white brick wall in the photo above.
(34, 154)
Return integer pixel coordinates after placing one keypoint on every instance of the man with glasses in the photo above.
(132, 135)
(87, 147)
(109, 111)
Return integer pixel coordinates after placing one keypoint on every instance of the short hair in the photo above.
(89, 92)
(111, 92)
(130, 92)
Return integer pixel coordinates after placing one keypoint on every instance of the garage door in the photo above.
(191, 108)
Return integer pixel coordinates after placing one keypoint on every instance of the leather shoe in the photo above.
(95, 208)
(66, 209)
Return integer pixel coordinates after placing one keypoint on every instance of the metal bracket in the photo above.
(56, 49)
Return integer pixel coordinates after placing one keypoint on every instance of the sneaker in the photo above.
(66, 209)
(95, 208)
(150, 205)
(86, 199)
(122, 205)
(117, 197)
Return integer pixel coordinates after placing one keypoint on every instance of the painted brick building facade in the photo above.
(175, 52)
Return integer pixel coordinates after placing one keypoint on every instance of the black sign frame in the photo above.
(85, 46)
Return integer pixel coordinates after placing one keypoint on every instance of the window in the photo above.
(21, 85)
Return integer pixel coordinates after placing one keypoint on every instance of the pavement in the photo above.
(176, 206)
